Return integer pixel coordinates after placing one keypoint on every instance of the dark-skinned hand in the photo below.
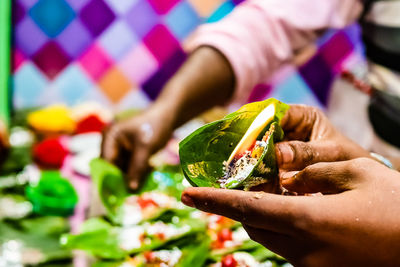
(355, 223)
(129, 144)
(311, 138)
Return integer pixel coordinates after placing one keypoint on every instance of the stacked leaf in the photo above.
(133, 223)
(153, 228)
(27, 237)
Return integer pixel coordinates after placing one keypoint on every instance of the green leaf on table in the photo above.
(196, 253)
(108, 264)
(119, 204)
(189, 228)
(177, 254)
(38, 238)
(260, 253)
(247, 245)
(105, 241)
(45, 225)
(110, 185)
(18, 157)
(167, 179)
(98, 237)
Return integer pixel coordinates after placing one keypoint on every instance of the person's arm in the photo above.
(248, 46)
(261, 35)
(205, 80)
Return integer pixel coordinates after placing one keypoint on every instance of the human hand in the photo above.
(130, 143)
(311, 138)
(357, 225)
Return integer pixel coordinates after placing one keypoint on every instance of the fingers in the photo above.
(271, 240)
(130, 154)
(296, 155)
(113, 141)
(276, 213)
(138, 166)
(289, 247)
(327, 178)
(299, 121)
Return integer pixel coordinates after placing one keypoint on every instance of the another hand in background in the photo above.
(356, 225)
(311, 138)
(130, 143)
(205, 80)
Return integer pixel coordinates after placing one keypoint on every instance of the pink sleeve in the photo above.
(260, 35)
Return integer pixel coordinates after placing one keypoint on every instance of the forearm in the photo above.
(205, 80)
(259, 36)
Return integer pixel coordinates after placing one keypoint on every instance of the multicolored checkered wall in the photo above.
(117, 52)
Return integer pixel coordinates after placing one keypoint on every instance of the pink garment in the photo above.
(261, 35)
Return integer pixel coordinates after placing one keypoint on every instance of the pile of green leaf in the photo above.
(34, 238)
(27, 237)
(103, 238)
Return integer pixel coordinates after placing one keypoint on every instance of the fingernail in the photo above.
(286, 154)
(133, 185)
(288, 175)
(187, 200)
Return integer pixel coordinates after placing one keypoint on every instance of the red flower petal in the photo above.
(91, 123)
(50, 153)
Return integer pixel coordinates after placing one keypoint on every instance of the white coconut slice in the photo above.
(248, 139)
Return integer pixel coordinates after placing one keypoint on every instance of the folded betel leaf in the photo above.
(237, 151)
(110, 186)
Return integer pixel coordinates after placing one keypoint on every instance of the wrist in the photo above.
(164, 114)
(172, 108)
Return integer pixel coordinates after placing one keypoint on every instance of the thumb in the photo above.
(327, 178)
(296, 155)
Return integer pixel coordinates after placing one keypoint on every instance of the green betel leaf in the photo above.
(36, 238)
(110, 186)
(97, 237)
(203, 153)
(167, 179)
(106, 241)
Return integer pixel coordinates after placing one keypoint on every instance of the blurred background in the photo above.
(121, 52)
(57, 58)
